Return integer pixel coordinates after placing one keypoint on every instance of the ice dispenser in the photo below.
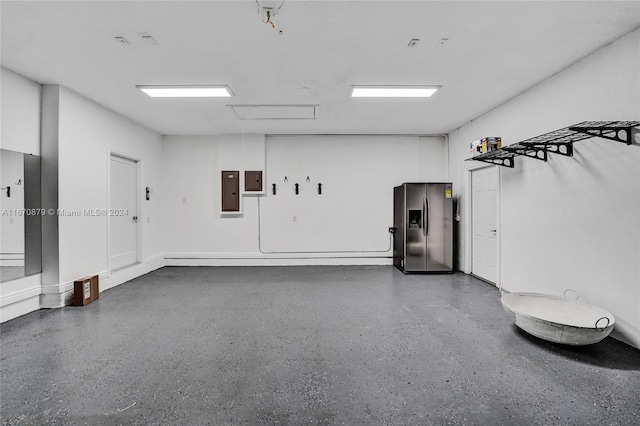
(415, 219)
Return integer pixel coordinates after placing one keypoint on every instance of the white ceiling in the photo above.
(496, 50)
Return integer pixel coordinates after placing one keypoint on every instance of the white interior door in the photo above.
(123, 241)
(484, 213)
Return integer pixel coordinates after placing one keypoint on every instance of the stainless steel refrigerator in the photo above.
(423, 222)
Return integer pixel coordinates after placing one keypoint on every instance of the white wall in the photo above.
(85, 134)
(19, 131)
(570, 222)
(88, 133)
(358, 174)
(193, 224)
(19, 113)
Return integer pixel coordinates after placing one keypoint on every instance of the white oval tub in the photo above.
(558, 319)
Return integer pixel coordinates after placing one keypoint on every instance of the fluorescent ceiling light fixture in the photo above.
(187, 91)
(393, 91)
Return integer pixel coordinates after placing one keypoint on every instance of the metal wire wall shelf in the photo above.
(561, 141)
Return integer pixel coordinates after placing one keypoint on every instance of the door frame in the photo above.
(138, 185)
(468, 228)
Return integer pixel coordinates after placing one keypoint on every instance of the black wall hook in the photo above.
(320, 189)
(297, 189)
(273, 188)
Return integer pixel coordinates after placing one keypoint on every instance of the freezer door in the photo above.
(416, 234)
(439, 226)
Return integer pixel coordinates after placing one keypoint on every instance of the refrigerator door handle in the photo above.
(425, 216)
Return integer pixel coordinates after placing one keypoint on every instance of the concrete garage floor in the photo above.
(304, 345)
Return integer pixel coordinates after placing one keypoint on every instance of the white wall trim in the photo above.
(19, 308)
(259, 259)
(155, 259)
(57, 288)
(57, 296)
(18, 296)
(121, 276)
(466, 217)
(138, 162)
(498, 227)
(280, 262)
(626, 332)
(258, 255)
(67, 286)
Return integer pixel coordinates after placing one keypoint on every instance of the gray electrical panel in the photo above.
(230, 191)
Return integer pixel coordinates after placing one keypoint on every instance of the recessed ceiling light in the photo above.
(187, 91)
(393, 91)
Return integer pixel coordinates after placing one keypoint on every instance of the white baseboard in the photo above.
(19, 308)
(19, 297)
(275, 259)
(275, 262)
(626, 333)
(121, 276)
(27, 295)
(15, 302)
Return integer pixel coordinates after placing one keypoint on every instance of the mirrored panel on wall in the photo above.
(21, 215)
